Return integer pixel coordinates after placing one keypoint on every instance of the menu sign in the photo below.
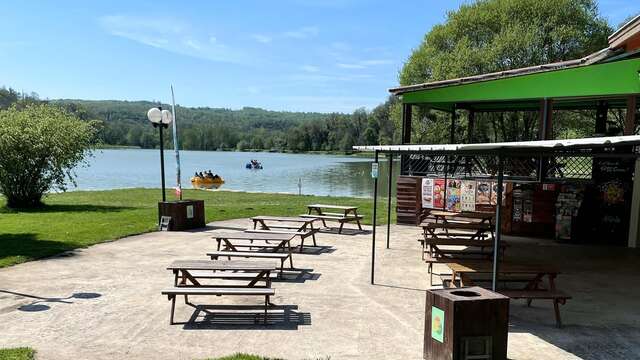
(468, 196)
(427, 193)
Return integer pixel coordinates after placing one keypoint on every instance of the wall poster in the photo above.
(453, 195)
(483, 192)
(438, 194)
(427, 193)
(468, 195)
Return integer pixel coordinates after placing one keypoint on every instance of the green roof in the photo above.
(577, 85)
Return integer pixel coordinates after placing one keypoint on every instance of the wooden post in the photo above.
(452, 129)
(601, 118)
(545, 125)
(471, 127)
(630, 121)
(406, 124)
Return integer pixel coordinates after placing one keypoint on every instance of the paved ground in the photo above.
(104, 302)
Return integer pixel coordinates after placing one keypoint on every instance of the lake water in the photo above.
(318, 174)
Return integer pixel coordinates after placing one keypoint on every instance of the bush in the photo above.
(40, 144)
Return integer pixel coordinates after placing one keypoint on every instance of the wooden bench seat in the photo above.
(217, 291)
(336, 217)
(253, 254)
(239, 275)
(303, 234)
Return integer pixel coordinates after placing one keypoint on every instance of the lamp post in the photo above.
(160, 119)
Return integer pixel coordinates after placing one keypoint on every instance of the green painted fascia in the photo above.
(615, 78)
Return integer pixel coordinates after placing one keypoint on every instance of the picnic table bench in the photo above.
(446, 216)
(185, 272)
(447, 229)
(346, 214)
(530, 275)
(299, 226)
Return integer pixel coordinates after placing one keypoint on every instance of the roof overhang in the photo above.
(538, 147)
(628, 36)
(617, 78)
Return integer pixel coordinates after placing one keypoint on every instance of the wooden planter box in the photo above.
(185, 214)
(466, 323)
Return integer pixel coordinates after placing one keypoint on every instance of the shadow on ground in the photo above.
(27, 246)
(247, 317)
(66, 208)
(40, 303)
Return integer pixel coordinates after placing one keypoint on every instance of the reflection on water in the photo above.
(315, 174)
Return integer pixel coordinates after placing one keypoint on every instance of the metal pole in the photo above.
(498, 231)
(373, 237)
(164, 197)
(390, 155)
(176, 148)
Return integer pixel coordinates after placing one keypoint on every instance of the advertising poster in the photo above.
(494, 193)
(438, 193)
(468, 195)
(453, 195)
(483, 192)
(427, 193)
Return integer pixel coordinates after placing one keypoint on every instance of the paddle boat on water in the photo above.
(254, 165)
(207, 180)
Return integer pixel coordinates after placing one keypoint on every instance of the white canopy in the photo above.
(540, 145)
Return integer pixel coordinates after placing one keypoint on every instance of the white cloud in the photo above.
(302, 33)
(310, 68)
(171, 35)
(351, 66)
(346, 104)
(364, 64)
(261, 38)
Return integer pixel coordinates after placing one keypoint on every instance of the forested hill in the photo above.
(203, 128)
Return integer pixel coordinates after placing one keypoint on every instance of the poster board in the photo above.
(483, 192)
(427, 193)
(438, 194)
(468, 195)
(453, 195)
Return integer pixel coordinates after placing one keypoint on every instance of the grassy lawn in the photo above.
(82, 218)
(17, 354)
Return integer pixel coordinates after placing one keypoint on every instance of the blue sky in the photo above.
(299, 55)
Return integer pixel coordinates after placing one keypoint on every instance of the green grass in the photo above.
(241, 356)
(22, 353)
(81, 218)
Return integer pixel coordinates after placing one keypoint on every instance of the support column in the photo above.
(630, 121)
(497, 236)
(406, 124)
(373, 232)
(452, 129)
(545, 125)
(471, 127)
(634, 218)
(389, 195)
(601, 118)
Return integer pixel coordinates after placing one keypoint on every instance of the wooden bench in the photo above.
(302, 233)
(349, 214)
(253, 254)
(557, 296)
(217, 291)
(228, 275)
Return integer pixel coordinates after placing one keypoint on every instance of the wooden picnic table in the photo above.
(185, 270)
(234, 244)
(453, 229)
(186, 281)
(531, 275)
(346, 214)
(445, 216)
(301, 226)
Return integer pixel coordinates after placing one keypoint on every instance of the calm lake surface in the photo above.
(318, 174)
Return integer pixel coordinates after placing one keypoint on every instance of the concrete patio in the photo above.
(104, 302)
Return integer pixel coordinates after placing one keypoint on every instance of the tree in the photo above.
(40, 146)
(496, 35)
